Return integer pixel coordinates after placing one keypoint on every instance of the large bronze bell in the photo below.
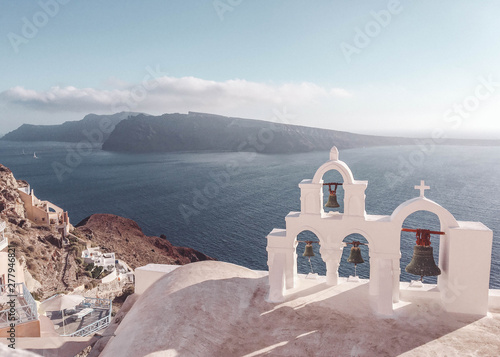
(355, 256)
(332, 200)
(308, 252)
(422, 263)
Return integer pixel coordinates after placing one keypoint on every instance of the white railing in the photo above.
(93, 327)
(99, 324)
(21, 313)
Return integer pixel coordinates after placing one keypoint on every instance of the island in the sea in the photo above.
(143, 133)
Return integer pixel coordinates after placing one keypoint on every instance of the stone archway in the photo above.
(317, 262)
(365, 253)
(334, 164)
(447, 222)
(354, 190)
(418, 220)
(423, 204)
(332, 176)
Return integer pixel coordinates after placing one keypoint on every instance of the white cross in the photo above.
(422, 188)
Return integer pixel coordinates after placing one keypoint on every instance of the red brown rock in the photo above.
(124, 237)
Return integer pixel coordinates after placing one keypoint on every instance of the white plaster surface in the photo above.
(218, 309)
(145, 276)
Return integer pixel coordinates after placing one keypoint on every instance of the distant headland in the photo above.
(143, 133)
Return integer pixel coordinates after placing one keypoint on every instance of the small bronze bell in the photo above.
(308, 252)
(332, 200)
(422, 263)
(355, 256)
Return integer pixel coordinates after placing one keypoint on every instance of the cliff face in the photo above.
(47, 267)
(199, 131)
(11, 205)
(93, 128)
(124, 237)
(50, 267)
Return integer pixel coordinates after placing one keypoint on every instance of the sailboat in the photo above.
(34, 155)
(24, 152)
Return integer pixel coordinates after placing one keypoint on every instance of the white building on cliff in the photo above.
(44, 212)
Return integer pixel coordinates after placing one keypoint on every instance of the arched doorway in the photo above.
(303, 266)
(423, 220)
(346, 269)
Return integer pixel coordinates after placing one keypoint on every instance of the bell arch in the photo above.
(423, 204)
(337, 165)
(348, 269)
(418, 220)
(354, 230)
(335, 203)
(295, 232)
(312, 193)
(316, 264)
(446, 220)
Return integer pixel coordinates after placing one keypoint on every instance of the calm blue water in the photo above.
(257, 192)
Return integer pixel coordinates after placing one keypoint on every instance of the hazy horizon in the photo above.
(407, 134)
(391, 67)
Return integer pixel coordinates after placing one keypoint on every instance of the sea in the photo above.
(225, 204)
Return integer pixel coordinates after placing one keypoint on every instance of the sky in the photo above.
(410, 68)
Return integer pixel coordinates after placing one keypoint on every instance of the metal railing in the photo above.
(93, 327)
(99, 324)
(24, 308)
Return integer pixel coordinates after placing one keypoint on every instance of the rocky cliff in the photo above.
(47, 267)
(124, 237)
(50, 267)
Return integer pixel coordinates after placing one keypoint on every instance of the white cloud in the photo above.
(373, 109)
(235, 97)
